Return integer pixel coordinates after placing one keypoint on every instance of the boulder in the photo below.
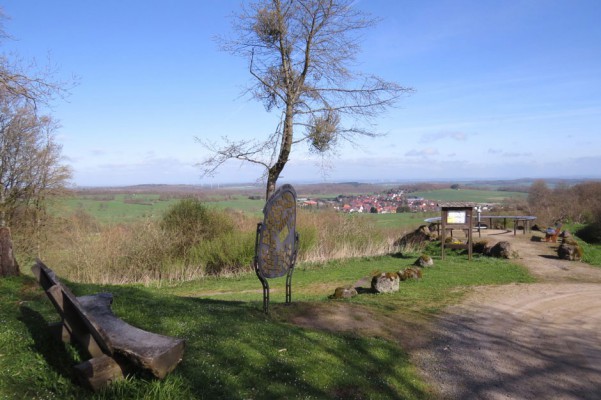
(564, 235)
(500, 250)
(410, 273)
(418, 238)
(344, 293)
(571, 252)
(424, 261)
(386, 282)
(480, 247)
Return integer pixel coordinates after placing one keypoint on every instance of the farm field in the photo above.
(469, 195)
(123, 208)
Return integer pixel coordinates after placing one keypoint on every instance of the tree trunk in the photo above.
(286, 145)
(271, 182)
(8, 263)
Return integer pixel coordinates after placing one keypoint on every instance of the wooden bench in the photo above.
(116, 347)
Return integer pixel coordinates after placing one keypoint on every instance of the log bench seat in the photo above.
(116, 347)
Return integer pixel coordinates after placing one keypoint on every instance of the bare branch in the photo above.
(301, 54)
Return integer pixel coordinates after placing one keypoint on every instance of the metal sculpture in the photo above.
(276, 242)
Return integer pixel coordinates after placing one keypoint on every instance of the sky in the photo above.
(503, 89)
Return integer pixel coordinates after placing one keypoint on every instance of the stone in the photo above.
(569, 252)
(344, 293)
(418, 238)
(386, 282)
(424, 261)
(500, 250)
(480, 247)
(410, 273)
(565, 235)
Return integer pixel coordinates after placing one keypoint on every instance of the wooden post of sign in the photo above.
(457, 216)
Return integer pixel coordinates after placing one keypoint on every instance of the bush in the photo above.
(191, 222)
(229, 253)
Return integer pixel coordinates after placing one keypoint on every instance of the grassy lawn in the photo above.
(234, 351)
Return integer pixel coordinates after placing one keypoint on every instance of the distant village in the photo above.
(394, 201)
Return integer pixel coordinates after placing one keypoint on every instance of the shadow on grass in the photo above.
(51, 349)
(402, 256)
(234, 351)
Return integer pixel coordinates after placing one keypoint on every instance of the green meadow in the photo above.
(469, 195)
(405, 221)
(233, 350)
(124, 208)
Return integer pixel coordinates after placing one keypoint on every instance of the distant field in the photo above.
(112, 208)
(127, 208)
(401, 221)
(469, 195)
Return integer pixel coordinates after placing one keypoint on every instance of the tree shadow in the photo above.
(465, 351)
(233, 350)
(401, 256)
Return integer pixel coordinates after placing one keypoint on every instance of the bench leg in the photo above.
(98, 372)
(265, 294)
(60, 332)
(289, 285)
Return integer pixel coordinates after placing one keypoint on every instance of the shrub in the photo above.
(232, 252)
(190, 222)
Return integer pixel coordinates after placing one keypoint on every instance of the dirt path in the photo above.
(522, 341)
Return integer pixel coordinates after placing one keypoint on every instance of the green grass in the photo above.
(127, 208)
(121, 208)
(401, 220)
(233, 350)
(591, 251)
(444, 283)
(469, 195)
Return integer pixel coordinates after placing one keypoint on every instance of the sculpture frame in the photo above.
(276, 241)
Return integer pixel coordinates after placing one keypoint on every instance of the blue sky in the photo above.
(503, 89)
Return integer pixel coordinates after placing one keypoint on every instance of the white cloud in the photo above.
(433, 137)
(427, 152)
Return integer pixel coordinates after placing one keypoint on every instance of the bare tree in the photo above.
(30, 158)
(30, 161)
(300, 53)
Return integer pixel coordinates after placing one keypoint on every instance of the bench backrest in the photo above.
(74, 318)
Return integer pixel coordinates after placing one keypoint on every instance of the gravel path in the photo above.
(522, 341)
